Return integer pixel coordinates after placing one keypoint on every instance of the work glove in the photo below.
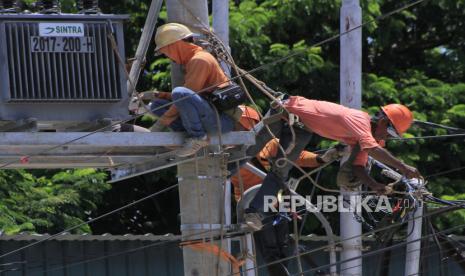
(134, 104)
(157, 127)
(381, 189)
(331, 154)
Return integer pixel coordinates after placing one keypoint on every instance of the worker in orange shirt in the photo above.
(306, 159)
(191, 112)
(273, 241)
(329, 120)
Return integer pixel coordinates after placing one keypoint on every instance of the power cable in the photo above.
(445, 172)
(89, 221)
(295, 53)
(168, 104)
(435, 125)
(383, 249)
(402, 253)
(435, 212)
(132, 250)
(428, 137)
(230, 235)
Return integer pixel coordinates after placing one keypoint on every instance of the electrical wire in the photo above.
(435, 212)
(451, 208)
(249, 72)
(400, 254)
(431, 137)
(89, 221)
(295, 53)
(383, 249)
(445, 172)
(132, 250)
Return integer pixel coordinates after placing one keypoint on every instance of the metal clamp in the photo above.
(200, 226)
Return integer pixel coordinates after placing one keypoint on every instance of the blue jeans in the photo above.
(159, 107)
(197, 116)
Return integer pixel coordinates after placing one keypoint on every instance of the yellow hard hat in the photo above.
(170, 33)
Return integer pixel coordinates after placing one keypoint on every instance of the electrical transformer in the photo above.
(60, 68)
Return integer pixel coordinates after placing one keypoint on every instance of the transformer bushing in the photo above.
(49, 6)
(9, 6)
(88, 6)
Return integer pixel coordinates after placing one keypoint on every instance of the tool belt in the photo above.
(345, 176)
(228, 97)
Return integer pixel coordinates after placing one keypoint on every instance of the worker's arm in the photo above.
(384, 156)
(361, 173)
(309, 159)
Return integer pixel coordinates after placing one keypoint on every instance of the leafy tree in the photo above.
(49, 204)
(415, 57)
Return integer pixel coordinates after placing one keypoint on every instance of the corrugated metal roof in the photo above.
(146, 237)
(88, 237)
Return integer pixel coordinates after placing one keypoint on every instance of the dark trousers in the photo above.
(273, 244)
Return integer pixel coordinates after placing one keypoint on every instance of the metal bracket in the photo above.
(163, 161)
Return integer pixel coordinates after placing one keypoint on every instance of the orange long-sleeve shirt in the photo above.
(249, 179)
(336, 122)
(202, 71)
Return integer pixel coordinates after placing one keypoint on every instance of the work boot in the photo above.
(192, 146)
(254, 221)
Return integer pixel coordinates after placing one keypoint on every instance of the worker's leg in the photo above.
(198, 117)
(159, 107)
(274, 180)
(271, 245)
(262, 137)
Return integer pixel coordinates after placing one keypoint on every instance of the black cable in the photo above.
(233, 234)
(89, 221)
(427, 137)
(435, 125)
(383, 249)
(285, 58)
(436, 241)
(444, 172)
(435, 212)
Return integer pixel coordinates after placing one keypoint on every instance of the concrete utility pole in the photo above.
(351, 96)
(221, 25)
(200, 181)
(188, 13)
(413, 250)
(220, 14)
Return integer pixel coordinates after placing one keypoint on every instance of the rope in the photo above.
(111, 255)
(295, 53)
(438, 211)
(173, 102)
(435, 212)
(214, 249)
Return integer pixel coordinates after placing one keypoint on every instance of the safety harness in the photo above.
(345, 176)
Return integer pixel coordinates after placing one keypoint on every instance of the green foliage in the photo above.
(49, 205)
(415, 57)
